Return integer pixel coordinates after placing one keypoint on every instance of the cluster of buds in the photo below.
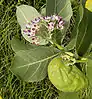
(50, 22)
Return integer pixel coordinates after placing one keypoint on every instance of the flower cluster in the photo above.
(50, 22)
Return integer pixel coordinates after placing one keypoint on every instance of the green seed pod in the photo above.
(66, 78)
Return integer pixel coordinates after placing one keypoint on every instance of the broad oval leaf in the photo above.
(60, 7)
(74, 33)
(18, 45)
(84, 38)
(25, 14)
(43, 11)
(31, 65)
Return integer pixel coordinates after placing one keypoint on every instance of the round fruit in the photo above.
(66, 78)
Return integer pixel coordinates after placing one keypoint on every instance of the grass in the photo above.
(10, 86)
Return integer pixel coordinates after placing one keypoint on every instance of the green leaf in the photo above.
(25, 14)
(89, 50)
(50, 7)
(43, 11)
(84, 37)
(74, 33)
(68, 95)
(31, 65)
(89, 69)
(56, 37)
(60, 7)
(18, 45)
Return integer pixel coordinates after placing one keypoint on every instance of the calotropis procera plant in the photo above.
(44, 52)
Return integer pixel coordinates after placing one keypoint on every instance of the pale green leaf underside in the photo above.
(43, 11)
(29, 39)
(26, 14)
(31, 65)
(18, 45)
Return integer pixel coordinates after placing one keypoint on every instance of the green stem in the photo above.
(57, 45)
(81, 61)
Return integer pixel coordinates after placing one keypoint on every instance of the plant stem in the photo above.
(84, 60)
(57, 45)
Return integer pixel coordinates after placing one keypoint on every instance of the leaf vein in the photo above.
(63, 8)
(83, 37)
(23, 15)
(35, 71)
(39, 61)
